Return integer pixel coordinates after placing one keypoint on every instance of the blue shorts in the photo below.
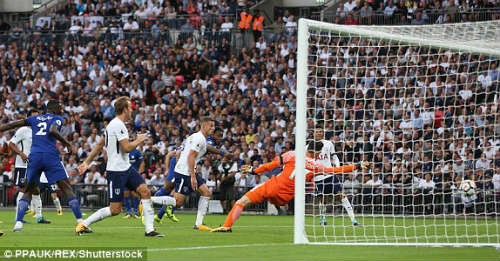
(117, 180)
(330, 185)
(45, 162)
(51, 188)
(20, 177)
(183, 183)
(171, 176)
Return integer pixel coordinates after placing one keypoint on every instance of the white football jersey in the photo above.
(118, 160)
(325, 158)
(196, 142)
(22, 140)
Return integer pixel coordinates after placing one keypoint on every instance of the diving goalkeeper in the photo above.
(280, 190)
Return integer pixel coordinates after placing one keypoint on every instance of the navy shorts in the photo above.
(51, 188)
(45, 162)
(183, 183)
(20, 177)
(117, 180)
(327, 186)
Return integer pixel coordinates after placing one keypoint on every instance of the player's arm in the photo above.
(167, 161)
(14, 124)
(56, 134)
(222, 152)
(17, 151)
(142, 165)
(128, 146)
(97, 149)
(191, 162)
(266, 167)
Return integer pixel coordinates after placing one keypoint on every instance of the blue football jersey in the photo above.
(135, 158)
(40, 126)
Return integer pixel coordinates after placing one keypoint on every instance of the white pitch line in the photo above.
(139, 227)
(215, 247)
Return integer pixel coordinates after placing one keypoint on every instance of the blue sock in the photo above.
(22, 206)
(161, 213)
(127, 205)
(75, 207)
(160, 192)
(136, 205)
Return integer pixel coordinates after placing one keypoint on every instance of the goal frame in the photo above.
(468, 46)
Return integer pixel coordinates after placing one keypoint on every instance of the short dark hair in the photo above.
(121, 104)
(53, 106)
(315, 146)
(206, 119)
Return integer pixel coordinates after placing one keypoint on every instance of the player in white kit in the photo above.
(120, 173)
(326, 185)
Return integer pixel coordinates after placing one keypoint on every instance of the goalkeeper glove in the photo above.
(247, 169)
(363, 165)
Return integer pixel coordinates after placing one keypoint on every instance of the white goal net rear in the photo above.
(421, 105)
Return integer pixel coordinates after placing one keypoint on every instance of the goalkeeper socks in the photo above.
(161, 192)
(19, 197)
(233, 215)
(22, 206)
(148, 213)
(75, 207)
(202, 210)
(163, 200)
(57, 203)
(97, 216)
(127, 205)
(37, 203)
(136, 205)
(347, 205)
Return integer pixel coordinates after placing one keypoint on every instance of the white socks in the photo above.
(147, 211)
(163, 200)
(19, 197)
(97, 216)
(202, 210)
(347, 205)
(57, 203)
(36, 201)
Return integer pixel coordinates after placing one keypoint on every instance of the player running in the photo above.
(137, 161)
(120, 173)
(170, 162)
(328, 185)
(280, 190)
(44, 157)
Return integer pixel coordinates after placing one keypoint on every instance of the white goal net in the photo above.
(421, 105)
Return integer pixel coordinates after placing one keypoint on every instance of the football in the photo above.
(468, 187)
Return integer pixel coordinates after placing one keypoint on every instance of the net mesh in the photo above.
(425, 114)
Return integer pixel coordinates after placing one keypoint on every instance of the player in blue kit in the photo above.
(130, 197)
(170, 161)
(44, 157)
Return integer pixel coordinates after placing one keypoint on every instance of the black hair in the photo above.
(53, 106)
(315, 146)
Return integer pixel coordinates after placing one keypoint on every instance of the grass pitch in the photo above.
(254, 238)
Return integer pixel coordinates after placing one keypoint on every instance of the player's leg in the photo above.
(33, 173)
(20, 182)
(205, 196)
(135, 203)
(37, 202)
(337, 190)
(167, 190)
(136, 182)
(256, 195)
(55, 199)
(116, 182)
(56, 174)
(126, 199)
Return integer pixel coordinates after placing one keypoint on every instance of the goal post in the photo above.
(421, 104)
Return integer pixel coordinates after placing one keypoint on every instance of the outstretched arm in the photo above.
(13, 125)
(267, 166)
(97, 149)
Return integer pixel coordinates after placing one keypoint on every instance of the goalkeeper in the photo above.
(280, 190)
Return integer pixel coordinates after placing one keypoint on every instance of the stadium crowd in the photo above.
(423, 118)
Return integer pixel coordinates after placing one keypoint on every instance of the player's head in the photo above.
(123, 106)
(314, 148)
(318, 131)
(54, 107)
(207, 125)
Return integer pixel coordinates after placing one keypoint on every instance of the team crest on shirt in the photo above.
(117, 191)
(185, 189)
